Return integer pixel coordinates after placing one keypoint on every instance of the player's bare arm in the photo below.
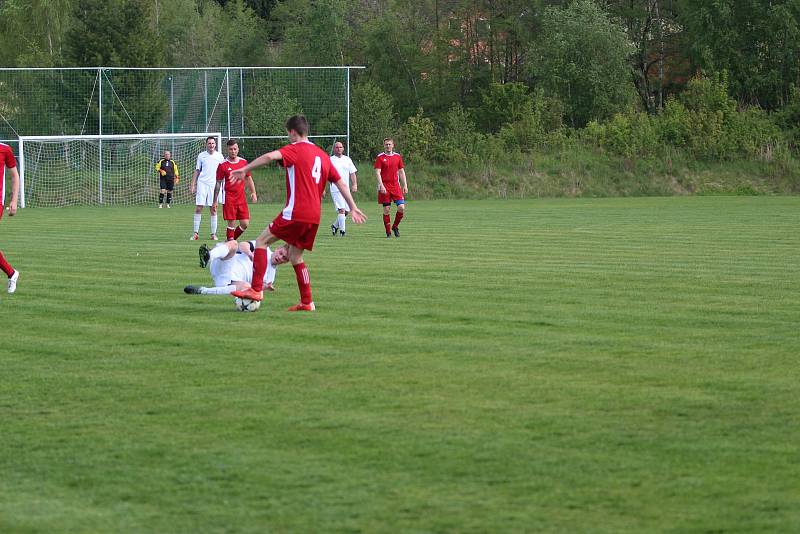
(252, 186)
(353, 182)
(402, 174)
(381, 188)
(358, 216)
(264, 159)
(217, 187)
(195, 174)
(12, 207)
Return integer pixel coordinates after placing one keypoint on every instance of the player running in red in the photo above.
(308, 168)
(7, 160)
(234, 205)
(390, 170)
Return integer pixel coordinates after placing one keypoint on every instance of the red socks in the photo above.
(303, 282)
(397, 218)
(259, 268)
(6, 268)
(233, 233)
(387, 223)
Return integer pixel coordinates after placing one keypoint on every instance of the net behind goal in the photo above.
(60, 171)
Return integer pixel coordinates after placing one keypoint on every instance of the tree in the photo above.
(658, 60)
(756, 41)
(581, 57)
(372, 119)
(124, 38)
(33, 41)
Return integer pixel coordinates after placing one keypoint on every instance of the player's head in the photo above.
(280, 256)
(388, 144)
(211, 144)
(297, 127)
(338, 148)
(233, 148)
(167, 155)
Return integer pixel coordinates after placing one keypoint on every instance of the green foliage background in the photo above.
(462, 81)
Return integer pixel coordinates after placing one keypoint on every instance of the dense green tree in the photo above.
(658, 37)
(314, 33)
(261, 7)
(581, 57)
(35, 41)
(756, 41)
(372, 119)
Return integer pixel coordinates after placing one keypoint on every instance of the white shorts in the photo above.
(239, 268)
(339, 201)
(204, 195)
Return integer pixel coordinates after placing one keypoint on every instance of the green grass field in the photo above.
(608, 365)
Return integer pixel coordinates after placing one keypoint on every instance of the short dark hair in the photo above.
(299, 124)
(211, 137)
(388, 139)
(232, 142)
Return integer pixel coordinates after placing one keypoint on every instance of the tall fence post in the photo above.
(348, 110)
(100, 131)
(241, 97)
(21, 174)
(228, 99)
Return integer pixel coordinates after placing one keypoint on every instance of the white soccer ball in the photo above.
(247, 305)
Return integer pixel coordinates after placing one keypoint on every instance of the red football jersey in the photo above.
(389, 165)
(233, 190)
(7, 159)
(307, 169)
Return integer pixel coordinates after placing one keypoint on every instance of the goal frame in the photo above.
(105, 137)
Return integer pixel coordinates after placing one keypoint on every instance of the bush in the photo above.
(704, 121)
(371, 120)
(458, 140)
(416, 138)
(789, 118)
(627, 134)
(504, 104)
(538, 126)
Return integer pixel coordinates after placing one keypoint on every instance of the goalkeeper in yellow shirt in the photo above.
(169, 175)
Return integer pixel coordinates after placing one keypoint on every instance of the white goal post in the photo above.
(65, 170)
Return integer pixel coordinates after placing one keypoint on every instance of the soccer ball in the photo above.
(246, 305)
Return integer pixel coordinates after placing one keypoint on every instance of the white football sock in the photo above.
(336, 222)
(197, 218)
(219, 252)
(226, 290)
(340, 222)
(213, 224)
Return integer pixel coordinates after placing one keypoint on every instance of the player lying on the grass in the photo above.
(308, 168)
(231, 267)
(7, 160)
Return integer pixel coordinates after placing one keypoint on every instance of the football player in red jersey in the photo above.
(308, 168)
(7, 160)
(235, 201)
(390, 170)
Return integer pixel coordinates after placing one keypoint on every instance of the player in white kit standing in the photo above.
(204, 179)
(347, 172)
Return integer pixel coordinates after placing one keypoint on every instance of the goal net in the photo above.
(58, 171)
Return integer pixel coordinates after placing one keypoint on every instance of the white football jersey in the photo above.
(207, 165)
(345, 167)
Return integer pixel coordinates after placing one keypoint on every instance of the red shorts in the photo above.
(391, 195)
(235, 210)
(299, 234)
